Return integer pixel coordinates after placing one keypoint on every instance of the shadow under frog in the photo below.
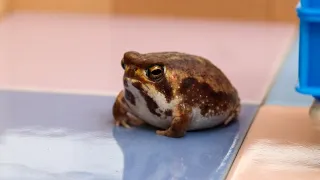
(200, 155)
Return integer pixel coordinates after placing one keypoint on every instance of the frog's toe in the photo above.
(170, 133)
(122, 122)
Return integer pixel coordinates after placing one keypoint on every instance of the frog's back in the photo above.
(188, 65)
(204, 87)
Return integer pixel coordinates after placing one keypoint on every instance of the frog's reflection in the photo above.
(199, 155)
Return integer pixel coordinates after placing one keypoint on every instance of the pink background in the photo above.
(75, 53)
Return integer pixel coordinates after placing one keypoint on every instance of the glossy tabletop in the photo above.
(61, 136)
(283, 141)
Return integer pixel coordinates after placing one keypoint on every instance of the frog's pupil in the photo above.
(156, 72)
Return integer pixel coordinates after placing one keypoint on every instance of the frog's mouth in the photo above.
(142, 93)
(142, 87)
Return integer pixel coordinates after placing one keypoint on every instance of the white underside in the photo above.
(198, 121)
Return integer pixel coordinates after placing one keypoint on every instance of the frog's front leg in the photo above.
(122, 115)
(181, 116)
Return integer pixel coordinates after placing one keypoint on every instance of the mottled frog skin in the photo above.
(174, 92)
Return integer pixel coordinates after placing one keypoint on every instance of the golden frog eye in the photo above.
(155, 72)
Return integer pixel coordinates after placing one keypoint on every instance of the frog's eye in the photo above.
(123, 65)
(155, 72)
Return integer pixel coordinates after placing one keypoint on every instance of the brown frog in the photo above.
(175, 92)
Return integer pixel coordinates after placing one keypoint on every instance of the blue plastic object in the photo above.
(310, 3)
(309, 48)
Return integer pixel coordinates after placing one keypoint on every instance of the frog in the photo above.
(175, 92)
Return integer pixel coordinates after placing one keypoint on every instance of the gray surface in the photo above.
(283, 92)
(62, 137)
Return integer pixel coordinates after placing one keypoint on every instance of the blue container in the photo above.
(310, 4)
(309, 48)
